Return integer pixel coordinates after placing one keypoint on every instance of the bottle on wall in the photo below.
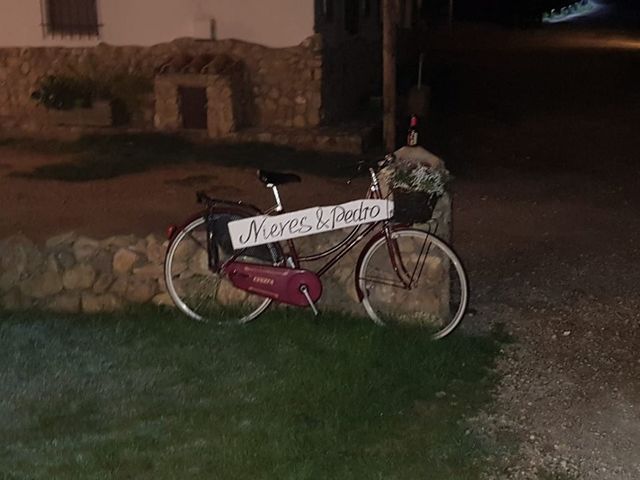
(412, 135)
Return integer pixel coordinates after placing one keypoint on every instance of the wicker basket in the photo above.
(413, 207)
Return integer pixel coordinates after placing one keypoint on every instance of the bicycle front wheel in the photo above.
(203, 293)
(414, 279)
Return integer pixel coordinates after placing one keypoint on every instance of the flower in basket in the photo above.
(416, 189)
(418, 177)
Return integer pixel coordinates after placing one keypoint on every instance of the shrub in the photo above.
(123, 90)
(65, 93)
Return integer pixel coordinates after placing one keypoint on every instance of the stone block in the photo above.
(19, 257)
(118, 241)
(286, 102)
(313, 118)
(154, 271)
(63, 259)
(84, 248)
(315, 100)
(163, 299)
(270, 105)
(155, 251)
(140, 290)
(79, 277)
(102, 262)
(103, 283)
(198, 263)
(62, 240)
(42, 285)
(139, 246)
(119, 286)
(123, 261)
(66, 302)
(299, 110)
(92, 303)
(274, 93)
(14, 299)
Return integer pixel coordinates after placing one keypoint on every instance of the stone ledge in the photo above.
(74, 273)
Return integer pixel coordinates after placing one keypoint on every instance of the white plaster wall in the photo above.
(275, 23)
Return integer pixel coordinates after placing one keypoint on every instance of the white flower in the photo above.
(420, 178)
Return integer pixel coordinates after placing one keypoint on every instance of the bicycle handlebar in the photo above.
(377, 165)
(388, 159)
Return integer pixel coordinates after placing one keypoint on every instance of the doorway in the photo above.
(193, 107)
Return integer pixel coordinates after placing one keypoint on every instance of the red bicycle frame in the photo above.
(292, 259)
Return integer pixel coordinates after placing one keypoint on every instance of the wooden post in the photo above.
(389, 16)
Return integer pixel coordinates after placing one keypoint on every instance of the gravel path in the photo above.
(545, 143)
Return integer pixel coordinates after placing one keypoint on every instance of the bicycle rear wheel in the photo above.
(204, 294)
(436, 294)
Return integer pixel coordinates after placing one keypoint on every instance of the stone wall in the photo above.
(284, 83)
(80, 274)
(224, 102)
(76, 273)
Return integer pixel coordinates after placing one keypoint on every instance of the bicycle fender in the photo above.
(173, 230)
(240, 209)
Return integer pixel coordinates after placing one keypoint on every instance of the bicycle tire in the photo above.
(441, 302)
(216, 298)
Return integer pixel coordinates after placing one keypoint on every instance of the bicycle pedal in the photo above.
(305, 291)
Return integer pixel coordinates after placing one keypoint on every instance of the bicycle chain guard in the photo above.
(279, 283)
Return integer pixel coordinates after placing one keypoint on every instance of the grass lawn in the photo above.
(97, 157)
(148, 394)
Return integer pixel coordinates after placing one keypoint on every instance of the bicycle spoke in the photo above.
(436, 296)
(383, 281)
(201, 244)
(202, 293)
(420, 264)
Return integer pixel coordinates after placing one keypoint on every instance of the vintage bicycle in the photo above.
(404, 275)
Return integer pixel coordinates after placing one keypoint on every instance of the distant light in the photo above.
(625, 44)
(580, 9)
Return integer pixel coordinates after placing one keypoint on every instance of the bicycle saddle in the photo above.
(277, 178)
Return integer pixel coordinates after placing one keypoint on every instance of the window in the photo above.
(71, 18)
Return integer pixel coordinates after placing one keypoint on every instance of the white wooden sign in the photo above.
(262, 229)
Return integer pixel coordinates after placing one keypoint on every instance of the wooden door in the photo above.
(193, 107)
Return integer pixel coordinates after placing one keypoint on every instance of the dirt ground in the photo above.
(543, 140)
(138, 203)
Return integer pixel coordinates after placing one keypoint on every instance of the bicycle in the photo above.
(403, 274)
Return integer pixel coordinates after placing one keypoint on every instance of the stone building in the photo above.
(220, 66)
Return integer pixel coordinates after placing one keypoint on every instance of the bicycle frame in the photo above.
(354, 238)
(272, 270)
(293, 260)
